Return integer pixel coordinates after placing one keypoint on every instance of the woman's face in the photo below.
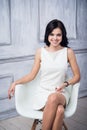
(55, 37)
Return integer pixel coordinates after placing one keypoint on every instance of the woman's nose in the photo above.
(55, 37)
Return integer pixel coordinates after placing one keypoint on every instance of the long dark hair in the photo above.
(51, 26)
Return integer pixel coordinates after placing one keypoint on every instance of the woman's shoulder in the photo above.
(70, 53)
(38, 52)
(40, 49)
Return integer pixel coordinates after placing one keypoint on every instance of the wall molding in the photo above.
(31, 57)
(16, 59)
(80, 51)
(9, 75)
(66, 10)
(8, 43)
(10, 78)
(8, 114)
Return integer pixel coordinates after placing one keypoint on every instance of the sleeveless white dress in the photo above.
(53, 73)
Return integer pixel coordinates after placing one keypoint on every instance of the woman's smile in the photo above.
(55, 37)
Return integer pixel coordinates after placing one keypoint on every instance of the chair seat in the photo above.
(30, 113)
(24, 94)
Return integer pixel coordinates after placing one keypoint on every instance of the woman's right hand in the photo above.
(11, 90)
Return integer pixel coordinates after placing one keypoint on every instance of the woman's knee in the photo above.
(60, 110)
(53, 98)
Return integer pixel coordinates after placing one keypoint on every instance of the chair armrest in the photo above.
(71, 107)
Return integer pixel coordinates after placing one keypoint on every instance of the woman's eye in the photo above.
(59, 35)
(51, 34)
(56, 35)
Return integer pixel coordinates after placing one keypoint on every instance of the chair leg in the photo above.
(65, 126)
(36, 121)
(34, 124)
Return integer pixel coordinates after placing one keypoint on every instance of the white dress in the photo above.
(53, 73)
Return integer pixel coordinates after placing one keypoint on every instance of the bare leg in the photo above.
(50, 109)
(57, 125)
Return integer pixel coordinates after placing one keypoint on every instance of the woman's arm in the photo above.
(34, 71)
(74, 67)
(28, 77)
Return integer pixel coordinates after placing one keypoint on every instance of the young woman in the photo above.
(52, 60)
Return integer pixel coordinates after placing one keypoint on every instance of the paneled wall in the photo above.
(22, 26)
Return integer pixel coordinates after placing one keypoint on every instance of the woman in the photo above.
(53, 61)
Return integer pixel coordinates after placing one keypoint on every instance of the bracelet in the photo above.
(66, 83)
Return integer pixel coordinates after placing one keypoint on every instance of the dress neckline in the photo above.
(53, 51)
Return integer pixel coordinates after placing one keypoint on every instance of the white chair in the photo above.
(24, 94)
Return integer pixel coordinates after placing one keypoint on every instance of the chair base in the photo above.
(36, 121)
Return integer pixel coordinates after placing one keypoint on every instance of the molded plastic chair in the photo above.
(24, 94)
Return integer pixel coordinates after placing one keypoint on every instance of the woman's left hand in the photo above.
(60, 88)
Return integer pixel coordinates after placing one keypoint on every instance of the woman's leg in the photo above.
(50, 110)
(57, 125)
